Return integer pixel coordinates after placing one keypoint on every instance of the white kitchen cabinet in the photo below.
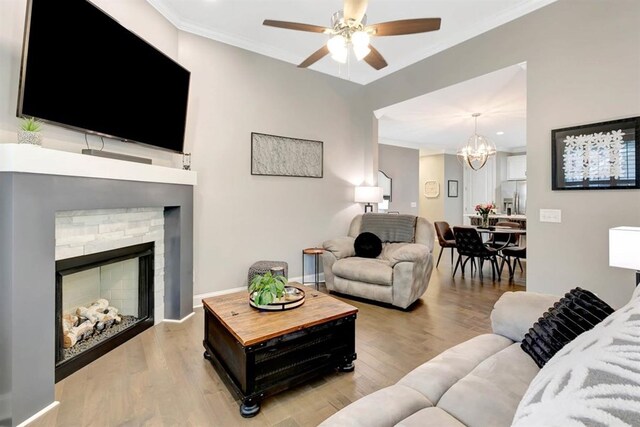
(479, 186)
(517, 168)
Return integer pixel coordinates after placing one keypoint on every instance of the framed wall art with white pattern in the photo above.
(598, 156)
(283, 156)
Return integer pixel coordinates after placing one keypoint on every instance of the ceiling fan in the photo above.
(349, 27)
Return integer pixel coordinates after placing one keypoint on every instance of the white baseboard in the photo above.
(308, 279)
(181, 320)
(38, 414)
(197, 299)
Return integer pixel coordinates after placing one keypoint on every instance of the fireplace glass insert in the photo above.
(102, 300)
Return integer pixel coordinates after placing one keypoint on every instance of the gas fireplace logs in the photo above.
(88, 321)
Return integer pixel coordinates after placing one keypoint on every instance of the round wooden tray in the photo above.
(294, 298)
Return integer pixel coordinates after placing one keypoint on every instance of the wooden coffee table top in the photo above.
(251, 326)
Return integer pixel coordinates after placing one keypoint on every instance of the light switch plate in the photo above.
(550, 215)
(414, 204)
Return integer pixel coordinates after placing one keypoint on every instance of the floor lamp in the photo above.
(368, 195)
(624, 249)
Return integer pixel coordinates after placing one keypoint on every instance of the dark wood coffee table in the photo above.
(261, 353)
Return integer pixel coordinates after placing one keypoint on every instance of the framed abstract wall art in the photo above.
(597, 156)
(282, 156)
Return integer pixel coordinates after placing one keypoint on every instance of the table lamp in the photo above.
(624, 249)
(368, 195)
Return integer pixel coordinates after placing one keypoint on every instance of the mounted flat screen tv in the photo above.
(83, 70)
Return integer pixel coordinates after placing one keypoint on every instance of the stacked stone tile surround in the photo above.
(91, 231)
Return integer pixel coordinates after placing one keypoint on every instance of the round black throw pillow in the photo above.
(368, 245)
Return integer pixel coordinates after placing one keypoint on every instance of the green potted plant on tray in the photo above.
(267, 288)
(29, 132)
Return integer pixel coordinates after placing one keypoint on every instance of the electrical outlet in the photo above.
(550, 215)
(414, 204)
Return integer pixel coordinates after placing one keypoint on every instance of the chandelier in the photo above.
(477, 150)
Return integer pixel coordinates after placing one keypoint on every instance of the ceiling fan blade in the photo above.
(296, 26)
(355, 9)
(315, 57)
(375, 59)
(405, 26)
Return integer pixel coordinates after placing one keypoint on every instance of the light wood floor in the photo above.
(159, 378)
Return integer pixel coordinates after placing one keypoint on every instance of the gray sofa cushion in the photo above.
(430, 417)
(492, 391)
(366, 270)
(382, 408)
(421, 388)
(435, 377)
(594, 380)
(515, 312)
(390, 228)
(341, 247)
(398, 252)
(381, 293)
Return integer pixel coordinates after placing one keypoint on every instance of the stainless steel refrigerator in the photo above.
(514, 197)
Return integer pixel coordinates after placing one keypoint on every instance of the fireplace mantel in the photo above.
(35, 184)
(25, 158)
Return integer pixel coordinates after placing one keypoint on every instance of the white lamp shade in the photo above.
(368, 195)
(624, 247)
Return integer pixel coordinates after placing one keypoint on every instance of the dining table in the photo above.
(514, 233)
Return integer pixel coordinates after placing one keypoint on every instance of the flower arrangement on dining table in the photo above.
(484, 209)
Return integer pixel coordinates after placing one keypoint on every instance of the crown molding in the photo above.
(481, 27)
(510, 14)
(232, 40)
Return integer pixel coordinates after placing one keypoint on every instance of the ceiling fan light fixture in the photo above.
(360, 39)
(337, 44)
(360, 42)
(338, 47)
(349, 28)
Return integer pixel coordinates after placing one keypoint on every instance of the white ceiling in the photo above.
(239, 23)
(441, 122)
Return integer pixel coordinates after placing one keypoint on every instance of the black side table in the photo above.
(316, 252)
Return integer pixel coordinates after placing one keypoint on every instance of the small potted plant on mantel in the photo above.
(29, 132)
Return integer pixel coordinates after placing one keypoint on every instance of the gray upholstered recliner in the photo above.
(398, 276)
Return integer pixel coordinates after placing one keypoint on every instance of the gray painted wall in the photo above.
(27, 265)
(242, 218)
(234, 92)
(6, 298)
(583, 66)
(453, 206)
(442, 168)
(402, 166)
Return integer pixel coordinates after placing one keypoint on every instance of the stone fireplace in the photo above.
(45, 191)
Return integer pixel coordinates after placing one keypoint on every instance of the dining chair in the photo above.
(517, 253)
(445, 238)
(469, 244)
